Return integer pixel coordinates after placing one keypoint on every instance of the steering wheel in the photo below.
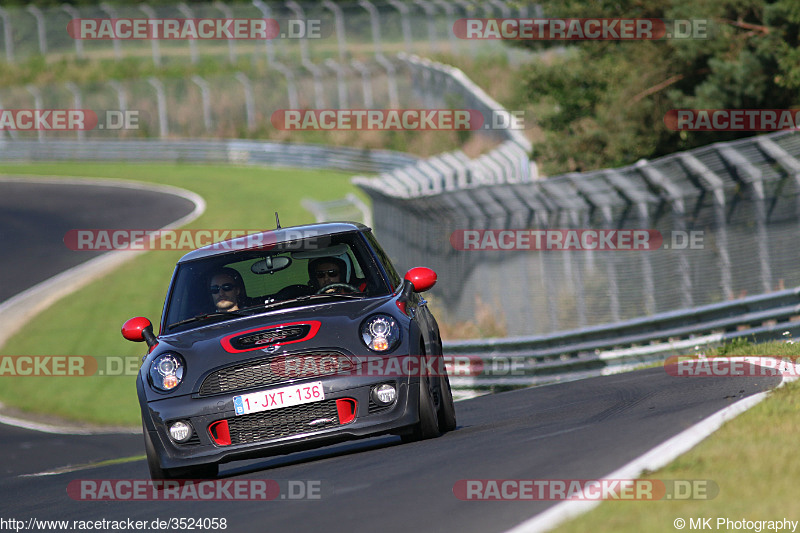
(328, 289)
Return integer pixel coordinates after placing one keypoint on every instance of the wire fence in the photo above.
(309, 32)
(727, 213)
(740, 200)
(327, 55)
(211, 106)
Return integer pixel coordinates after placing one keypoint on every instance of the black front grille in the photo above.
(283, 422)
(193, 441)
(270, 336)
(274, 370)
(375, 408)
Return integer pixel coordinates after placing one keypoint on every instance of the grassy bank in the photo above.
(88, 322)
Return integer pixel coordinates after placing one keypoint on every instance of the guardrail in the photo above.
(507, 163)
(240, 152)
(611, 347)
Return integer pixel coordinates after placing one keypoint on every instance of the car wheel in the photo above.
(156, 472)
(206, 471)
(446, 412)
(428, 425)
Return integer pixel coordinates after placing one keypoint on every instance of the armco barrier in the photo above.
(240, 152)
(601, 349)
(558, 356)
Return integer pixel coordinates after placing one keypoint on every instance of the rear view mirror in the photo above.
(270, 264)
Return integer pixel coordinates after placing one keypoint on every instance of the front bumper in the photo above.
(265, 433)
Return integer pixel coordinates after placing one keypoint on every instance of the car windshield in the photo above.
(333, 267)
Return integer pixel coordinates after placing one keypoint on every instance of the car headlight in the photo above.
(380, 333)
(166, 371)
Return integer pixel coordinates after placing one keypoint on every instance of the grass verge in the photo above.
(88, 322)
(751, 459)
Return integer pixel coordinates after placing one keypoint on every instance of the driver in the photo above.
(326, 271)
(227, 290)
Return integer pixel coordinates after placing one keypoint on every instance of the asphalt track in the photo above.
(34, 217)
(576, 430)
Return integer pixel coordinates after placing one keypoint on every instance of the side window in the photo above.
(358, 271)
(394, 277)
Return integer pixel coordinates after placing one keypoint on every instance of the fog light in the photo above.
(384, 394)
(180, 431)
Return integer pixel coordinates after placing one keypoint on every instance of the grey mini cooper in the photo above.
(288, 340)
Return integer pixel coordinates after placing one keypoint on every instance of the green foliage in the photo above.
(602, 103)
(734, 347)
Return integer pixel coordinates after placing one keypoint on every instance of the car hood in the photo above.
(323, 311)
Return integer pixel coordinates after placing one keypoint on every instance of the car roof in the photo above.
(287, 234)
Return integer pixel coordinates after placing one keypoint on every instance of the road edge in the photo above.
(21, 308)
(652, 460)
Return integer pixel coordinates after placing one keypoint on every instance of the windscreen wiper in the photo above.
(304, 297)
(223, 314)
(351, 296)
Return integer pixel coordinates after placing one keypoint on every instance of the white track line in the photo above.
(654, 459)
(65, 430)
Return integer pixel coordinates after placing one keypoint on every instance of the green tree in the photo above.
(602, 103)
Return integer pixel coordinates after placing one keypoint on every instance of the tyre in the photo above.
(446, 410)
(207, 471)
(428, 425)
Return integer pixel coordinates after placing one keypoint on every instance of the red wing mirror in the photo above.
(422, 278)
(139, 329)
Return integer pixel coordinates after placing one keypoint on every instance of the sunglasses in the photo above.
(226, 287)
(329, 273)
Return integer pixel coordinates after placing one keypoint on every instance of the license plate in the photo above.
(278, 398)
